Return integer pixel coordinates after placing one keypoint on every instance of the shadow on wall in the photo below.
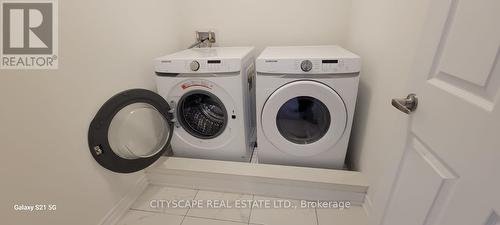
(363, 102)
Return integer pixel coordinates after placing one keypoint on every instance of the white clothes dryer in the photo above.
(306, 97)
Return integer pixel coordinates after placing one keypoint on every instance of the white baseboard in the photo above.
(125, 203)
(260, 179)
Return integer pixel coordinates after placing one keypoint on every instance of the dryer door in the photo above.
(131, 131)
(304, 118)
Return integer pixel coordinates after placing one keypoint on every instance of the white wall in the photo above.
(262, 23)
(385, 34)
(105, 47)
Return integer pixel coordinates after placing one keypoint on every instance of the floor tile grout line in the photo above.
(251, 209)
(194, 198)
(226, 192)
(316, 212)
(199, 217)
(187, 211)
(157, 212)
(182, 221)
(184, 217)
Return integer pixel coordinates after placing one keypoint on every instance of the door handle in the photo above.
(406, 105)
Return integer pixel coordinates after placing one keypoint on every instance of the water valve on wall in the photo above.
(204, 39)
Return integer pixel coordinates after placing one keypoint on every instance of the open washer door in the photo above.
(131, 131)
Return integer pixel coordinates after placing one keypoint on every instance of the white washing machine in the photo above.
(306, 97)
(212, 95)
(205, 109)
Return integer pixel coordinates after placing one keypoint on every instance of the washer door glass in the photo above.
(138, 131)
(131, 131)
(303, 120)
(202, 114)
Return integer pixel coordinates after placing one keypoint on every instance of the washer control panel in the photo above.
(198, 66)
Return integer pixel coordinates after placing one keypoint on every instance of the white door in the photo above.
(450, 172)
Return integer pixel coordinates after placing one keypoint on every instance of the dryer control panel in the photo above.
(304, 66)
(308, 60)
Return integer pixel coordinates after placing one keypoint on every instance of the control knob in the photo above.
(306, 65)
(195, 66)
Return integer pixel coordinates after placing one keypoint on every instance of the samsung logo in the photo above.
(271, 61)
(166, 61)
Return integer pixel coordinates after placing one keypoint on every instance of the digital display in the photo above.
(213, 61)
(330, 61)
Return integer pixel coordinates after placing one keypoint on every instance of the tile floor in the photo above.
(142, 214)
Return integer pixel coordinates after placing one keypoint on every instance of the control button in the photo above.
(195, 66)
(306, 65)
